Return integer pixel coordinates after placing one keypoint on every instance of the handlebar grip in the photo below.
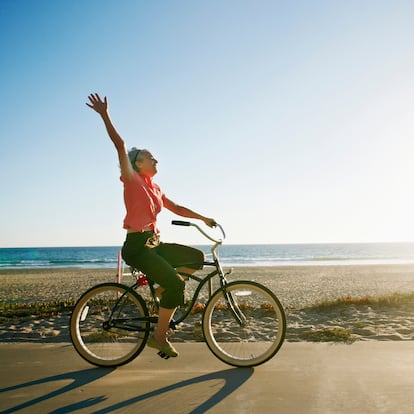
(180, 223)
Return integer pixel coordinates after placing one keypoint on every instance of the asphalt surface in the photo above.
(365, 377)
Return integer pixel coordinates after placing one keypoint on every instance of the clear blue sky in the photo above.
(288, 122)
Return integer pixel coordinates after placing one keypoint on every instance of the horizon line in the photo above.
(224, 244)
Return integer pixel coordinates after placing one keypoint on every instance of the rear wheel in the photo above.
(245, 325)
(109, 325)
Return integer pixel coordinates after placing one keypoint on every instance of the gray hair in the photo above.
(133, 155)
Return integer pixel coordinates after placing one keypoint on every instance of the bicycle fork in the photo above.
(234, 307)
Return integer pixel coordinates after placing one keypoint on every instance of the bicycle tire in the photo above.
(260, 336)
(98, 342)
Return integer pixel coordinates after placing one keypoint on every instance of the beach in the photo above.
(299, 288)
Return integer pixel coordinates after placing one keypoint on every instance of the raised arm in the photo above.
(101, 107)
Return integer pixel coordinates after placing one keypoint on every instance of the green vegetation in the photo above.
(38, 309)
(396, 299)
(336, 311)
(336, 334)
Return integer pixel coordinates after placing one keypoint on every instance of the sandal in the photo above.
(166, 349)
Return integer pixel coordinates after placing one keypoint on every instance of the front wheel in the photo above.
(244, 324)
(109, 325)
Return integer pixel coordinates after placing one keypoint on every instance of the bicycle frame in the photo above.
(242, 322)
(202, 281)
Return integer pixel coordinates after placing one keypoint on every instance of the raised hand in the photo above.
(97, 104)
(210, 222)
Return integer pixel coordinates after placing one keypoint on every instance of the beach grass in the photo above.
(35, 309)
(346, 318)
(323, 303)
(51, 308)
(335, 334)
(395, 299)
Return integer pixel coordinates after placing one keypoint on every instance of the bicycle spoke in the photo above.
(246, 326)
(109, 325)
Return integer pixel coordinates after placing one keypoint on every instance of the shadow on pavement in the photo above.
(233, 379)
(79, 379)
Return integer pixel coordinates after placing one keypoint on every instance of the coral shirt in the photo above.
(143, 201)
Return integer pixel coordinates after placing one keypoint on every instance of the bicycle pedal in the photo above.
(163, 356)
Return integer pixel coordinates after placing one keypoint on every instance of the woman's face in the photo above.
(146, 163)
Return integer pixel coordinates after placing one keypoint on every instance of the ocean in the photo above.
(230, 255)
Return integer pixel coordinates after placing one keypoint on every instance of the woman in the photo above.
(142, 248)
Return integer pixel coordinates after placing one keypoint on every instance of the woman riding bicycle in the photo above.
(142, 248)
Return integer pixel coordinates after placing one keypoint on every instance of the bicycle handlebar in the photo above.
(180, 223)
(188, 223)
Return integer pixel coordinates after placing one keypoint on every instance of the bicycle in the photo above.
(243, 322)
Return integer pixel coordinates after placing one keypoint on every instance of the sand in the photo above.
(299, 288)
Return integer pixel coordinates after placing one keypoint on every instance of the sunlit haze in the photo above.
(288, 122)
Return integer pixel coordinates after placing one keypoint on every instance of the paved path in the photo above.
(366, 377)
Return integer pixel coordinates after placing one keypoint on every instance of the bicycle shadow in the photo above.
(79, 379)
(233, 379)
